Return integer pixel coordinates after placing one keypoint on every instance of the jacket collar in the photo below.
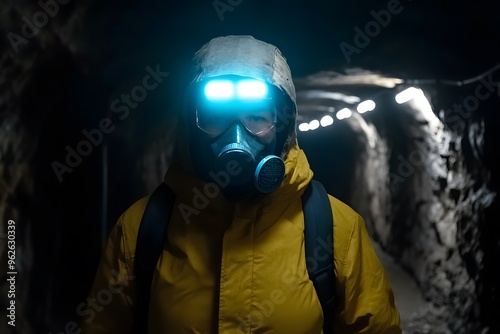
(297, 176)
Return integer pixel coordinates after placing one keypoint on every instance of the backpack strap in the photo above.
(318, 230)
(149, 246)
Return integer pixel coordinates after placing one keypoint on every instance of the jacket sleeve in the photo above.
(365, 301)
(109, 308)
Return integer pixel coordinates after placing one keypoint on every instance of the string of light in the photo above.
(404, 96)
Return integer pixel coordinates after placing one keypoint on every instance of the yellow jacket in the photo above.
(240, 268)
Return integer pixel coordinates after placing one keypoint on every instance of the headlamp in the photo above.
(224, 90)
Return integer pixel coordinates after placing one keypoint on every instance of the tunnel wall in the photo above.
(424, 187)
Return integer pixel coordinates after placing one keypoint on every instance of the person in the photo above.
(233, 259)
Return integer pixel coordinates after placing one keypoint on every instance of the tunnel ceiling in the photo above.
(404, 39)
(452, 39)
(415, 39)
(443, 39)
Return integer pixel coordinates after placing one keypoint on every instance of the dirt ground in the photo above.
(408, 298)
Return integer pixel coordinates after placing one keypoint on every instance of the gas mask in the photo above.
(234, 142)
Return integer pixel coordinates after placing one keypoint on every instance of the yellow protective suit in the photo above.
(241, 268)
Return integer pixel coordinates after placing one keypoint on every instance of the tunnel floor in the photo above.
(407, 296)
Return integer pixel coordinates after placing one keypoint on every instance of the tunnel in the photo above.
(398, 111)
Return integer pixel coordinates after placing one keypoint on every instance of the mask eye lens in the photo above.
(215, 122)
(211, 122)
(258, 122)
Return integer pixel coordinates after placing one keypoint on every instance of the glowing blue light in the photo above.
(251, 89)
(219, 90)
(243, 90)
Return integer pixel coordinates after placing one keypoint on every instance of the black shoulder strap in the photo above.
(318, 230)
(149, 245)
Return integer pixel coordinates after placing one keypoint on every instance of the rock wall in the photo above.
(425, 189)
(66, 175)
